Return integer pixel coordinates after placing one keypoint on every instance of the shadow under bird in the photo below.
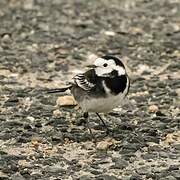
(100, 89)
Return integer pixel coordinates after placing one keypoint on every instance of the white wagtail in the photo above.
(101, 88)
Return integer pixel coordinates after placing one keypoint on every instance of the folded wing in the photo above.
(82, 81)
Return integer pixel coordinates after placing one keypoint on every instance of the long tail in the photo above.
(57, 90)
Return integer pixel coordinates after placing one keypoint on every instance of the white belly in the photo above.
(101, 104)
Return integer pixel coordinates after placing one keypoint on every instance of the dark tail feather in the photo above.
(57, 90)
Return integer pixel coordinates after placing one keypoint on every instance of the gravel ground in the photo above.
(43, 44)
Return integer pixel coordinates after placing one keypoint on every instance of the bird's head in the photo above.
(107, 66)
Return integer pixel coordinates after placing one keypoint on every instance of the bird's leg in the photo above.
(104, 124)
(86, 115)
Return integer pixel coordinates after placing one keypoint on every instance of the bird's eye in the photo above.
(105, 64)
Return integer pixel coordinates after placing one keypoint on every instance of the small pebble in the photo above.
(104, 145)
(109, 33)
(57, 113)
(153, 108)
(66, 101)
(6, 38)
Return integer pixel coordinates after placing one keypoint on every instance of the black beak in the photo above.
(91, 66)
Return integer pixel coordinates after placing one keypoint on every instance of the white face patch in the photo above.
(120, 70)
(105, 67)
(99, 62)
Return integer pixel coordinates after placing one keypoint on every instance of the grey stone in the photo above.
(119, 163)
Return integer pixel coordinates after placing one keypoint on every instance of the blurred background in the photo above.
(44, 43)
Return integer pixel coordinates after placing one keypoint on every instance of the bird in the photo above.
(101, 88)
